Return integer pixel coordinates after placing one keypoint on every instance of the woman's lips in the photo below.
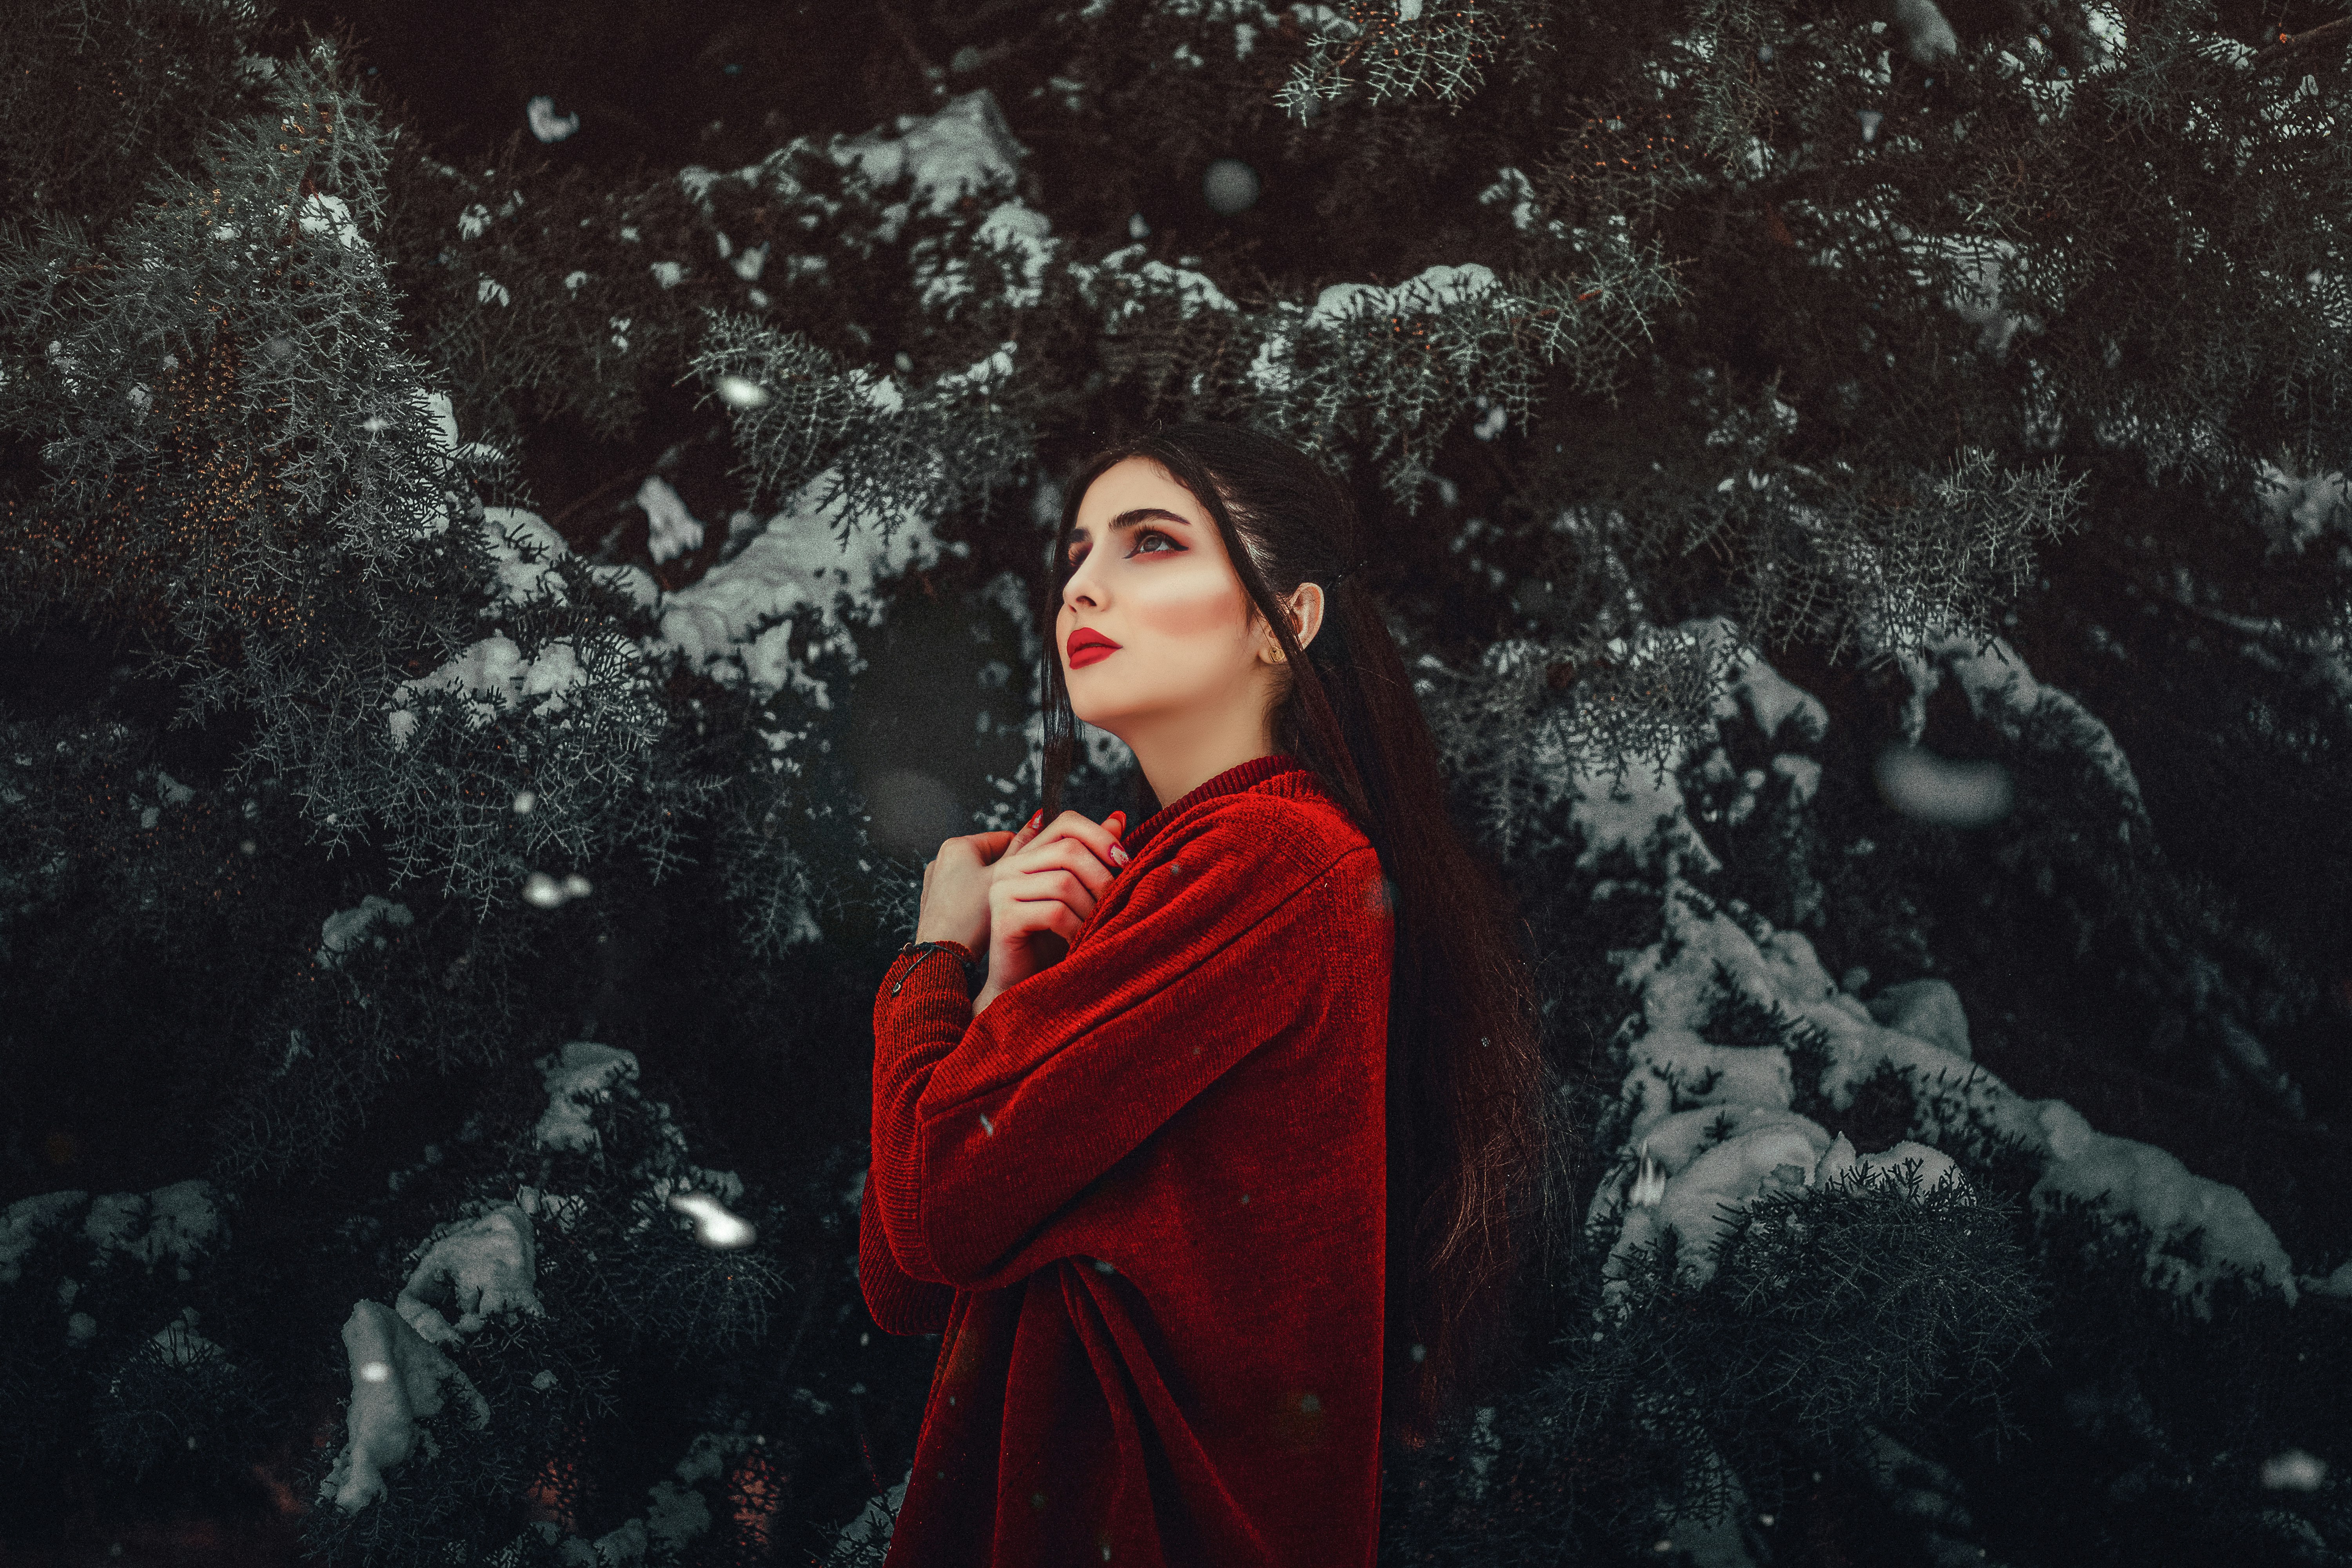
(1084, 646)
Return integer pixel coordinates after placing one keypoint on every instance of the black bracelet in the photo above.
(975, 969)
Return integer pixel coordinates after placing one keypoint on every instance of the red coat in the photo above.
(1143, 1196)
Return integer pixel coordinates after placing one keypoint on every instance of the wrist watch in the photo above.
(975, 969)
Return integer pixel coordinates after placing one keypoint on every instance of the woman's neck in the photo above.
(1170, 792)
(1175, 767)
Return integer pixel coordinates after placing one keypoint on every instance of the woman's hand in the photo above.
(1040, 890)
(955, 887)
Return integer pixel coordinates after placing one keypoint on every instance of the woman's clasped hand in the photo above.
(1020, 897)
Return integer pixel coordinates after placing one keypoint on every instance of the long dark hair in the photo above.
(1481, 1155)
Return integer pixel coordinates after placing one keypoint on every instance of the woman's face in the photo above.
(1154, 578)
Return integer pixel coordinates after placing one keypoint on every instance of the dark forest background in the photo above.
(483, 659)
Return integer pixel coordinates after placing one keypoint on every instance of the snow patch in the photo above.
(1144, 279)
(739, 622)
(2118, 1174)
(1426, 292)
(396, 1381)
(2296, 507)
(581, 1076)
(545, 123)
(1976, 294)
(1512, 186)
(1721, 1144)
(496, 677)
(322, 213)
(346, 929)
(180, 1221)
(479, 1267)
(964, 150)
(672, 529)
(2002, 692)
(1761, 692)
(1019, 234)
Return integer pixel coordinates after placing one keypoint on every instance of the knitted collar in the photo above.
(1257, 770)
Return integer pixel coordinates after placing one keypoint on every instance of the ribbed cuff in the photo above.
(952, 957)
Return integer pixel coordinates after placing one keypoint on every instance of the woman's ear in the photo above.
(1306, 607)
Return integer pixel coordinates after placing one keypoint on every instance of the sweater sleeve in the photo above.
(899, 1305)
(984, 1129)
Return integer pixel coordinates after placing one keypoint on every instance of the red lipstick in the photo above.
(1087, 647)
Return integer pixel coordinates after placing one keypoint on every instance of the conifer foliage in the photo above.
(487, 639)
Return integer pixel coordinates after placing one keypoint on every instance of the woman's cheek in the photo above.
(1187, 610)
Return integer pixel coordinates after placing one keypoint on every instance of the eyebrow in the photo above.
(1125, 520)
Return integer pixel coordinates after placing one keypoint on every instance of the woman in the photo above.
(1211, 1204)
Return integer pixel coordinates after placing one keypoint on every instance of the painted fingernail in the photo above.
(1119, 856)
(1035, 817)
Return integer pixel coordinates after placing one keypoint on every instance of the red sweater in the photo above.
(1143, 1196)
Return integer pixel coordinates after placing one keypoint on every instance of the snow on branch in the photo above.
(1709, 1119)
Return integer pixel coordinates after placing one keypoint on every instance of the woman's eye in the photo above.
(1078, 558)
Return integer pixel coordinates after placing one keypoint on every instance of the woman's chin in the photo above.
(1085, 718)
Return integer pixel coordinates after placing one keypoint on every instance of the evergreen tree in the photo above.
(382, 693)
